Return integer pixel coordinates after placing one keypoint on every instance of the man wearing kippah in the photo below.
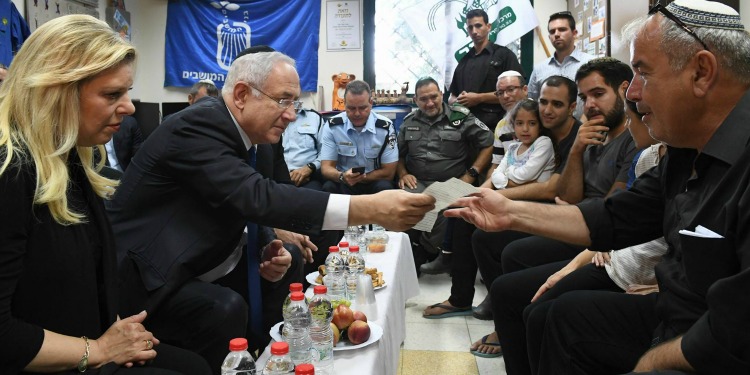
(692, 82)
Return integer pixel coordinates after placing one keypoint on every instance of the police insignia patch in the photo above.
(481, 125)
(392, 141)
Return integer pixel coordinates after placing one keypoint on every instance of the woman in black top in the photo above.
(64, 97)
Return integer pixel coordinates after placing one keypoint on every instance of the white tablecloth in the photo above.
(397, 265)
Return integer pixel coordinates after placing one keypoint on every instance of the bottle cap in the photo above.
(295, 287)
(354, 249)
(333, 249)
(320, 289)
(343, 244)
(279, 348)
(238, 344)
(304, 369)
(298, 296)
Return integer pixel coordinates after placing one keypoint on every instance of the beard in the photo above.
(613, 118)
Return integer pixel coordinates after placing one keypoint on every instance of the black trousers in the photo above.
(488, 251)
(511, 297)
(203, 316)
(463, 265)
(597, 332)
(533, 251)
(169, 360)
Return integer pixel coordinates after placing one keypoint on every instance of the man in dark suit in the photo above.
(181, 207)
(122, 147)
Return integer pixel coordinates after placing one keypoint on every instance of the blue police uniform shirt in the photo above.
(13, 31)
(302, 140)
(351, 148)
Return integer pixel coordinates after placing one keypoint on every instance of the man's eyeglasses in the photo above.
(282, 103)
(510, 91)
(666, 13)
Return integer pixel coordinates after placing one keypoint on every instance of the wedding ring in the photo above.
(149, 344)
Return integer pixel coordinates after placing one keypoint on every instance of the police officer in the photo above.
(435, 141)
(302, 141)
(359, 153)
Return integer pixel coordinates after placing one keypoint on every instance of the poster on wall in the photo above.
(40, 11)
(344, 25)
(204, 37)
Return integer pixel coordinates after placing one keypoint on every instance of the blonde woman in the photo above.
(64, 96)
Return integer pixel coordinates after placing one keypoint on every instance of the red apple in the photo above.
(359, 315)
(336, 334)
(342, 317)
(358, 332)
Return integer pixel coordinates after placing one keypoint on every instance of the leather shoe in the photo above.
(436, 266)
(484, 310)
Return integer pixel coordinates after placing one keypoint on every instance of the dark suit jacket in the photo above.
(127, 141)
(183, 203)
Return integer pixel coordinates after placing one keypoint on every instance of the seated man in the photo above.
(359, 152)
(434, 144)
(556, 107)
(204, 87)
(511, 88)
(302, 142)
(597, 167)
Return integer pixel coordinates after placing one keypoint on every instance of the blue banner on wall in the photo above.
(204, 36)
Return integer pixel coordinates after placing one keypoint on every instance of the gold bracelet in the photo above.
(83, 364)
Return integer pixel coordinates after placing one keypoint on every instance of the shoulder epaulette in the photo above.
(381, 123)
(336, 121)
(411, 114)
(458, 114)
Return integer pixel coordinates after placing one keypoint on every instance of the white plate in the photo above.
(312, 276)
(376, 332)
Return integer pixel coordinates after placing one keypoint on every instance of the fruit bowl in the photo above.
(376, 332)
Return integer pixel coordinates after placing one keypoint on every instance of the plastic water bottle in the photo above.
(298, 332)
(238, 361)
(293, 287)
(334, 278)
(354, 268)
(321, 334)
(344, 250)
(305, 369)
(280, 362)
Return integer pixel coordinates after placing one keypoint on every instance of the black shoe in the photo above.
(484, 310)
(436, 266)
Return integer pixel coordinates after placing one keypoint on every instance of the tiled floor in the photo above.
(441, 346)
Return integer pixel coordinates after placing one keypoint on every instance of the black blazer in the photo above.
(127, 141)
(185, 198)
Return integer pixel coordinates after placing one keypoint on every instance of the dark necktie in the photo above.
(253, 269)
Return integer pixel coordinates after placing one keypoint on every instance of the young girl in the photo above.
(532, 156)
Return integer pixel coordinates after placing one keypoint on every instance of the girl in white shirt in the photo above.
(532, 156)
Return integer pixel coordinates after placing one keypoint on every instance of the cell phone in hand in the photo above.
(359, 170)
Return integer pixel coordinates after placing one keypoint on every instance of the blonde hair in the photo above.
(40, 105)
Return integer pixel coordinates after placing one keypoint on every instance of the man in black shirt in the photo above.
(474, 79)
(692, 81)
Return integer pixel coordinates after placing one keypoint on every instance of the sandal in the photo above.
(451, 311)
(488, 355)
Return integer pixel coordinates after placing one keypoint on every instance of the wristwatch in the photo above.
(311, 166)
(341, 177)
(473, 172)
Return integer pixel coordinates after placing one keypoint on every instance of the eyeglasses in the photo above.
(510, 91)
(666, 13)
(282, 103)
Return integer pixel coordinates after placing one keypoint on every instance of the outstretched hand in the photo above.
(486, 209)
(399, 210)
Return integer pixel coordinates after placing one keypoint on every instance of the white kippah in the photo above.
(704, 13)
(207, 81)
(510, 73)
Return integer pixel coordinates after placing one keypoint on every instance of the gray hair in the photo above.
(357, 87)
(729, 46)
(211, 89)
(254, 69)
